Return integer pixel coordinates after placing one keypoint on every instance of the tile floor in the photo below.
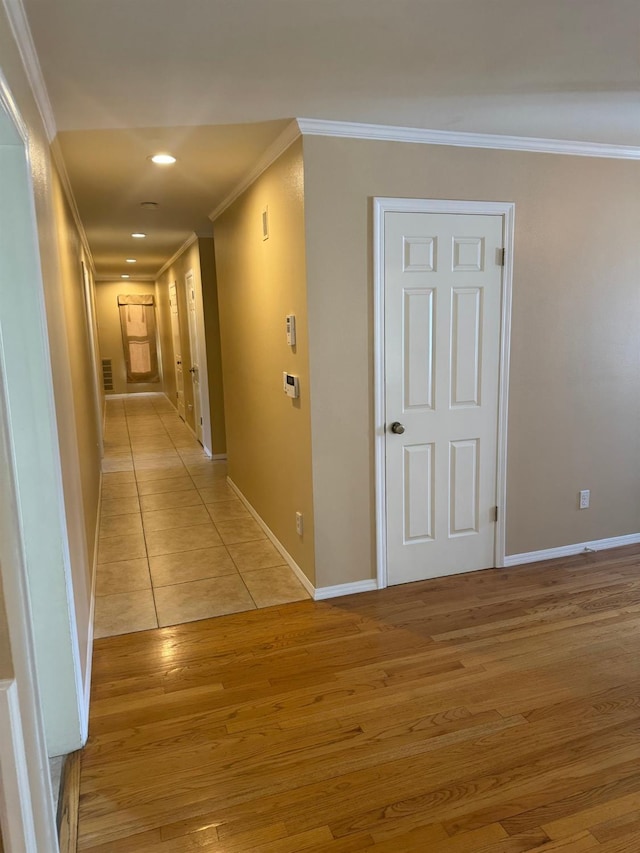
(175, 542)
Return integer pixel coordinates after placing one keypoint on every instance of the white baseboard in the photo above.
(304, 580)
(134, 394)
(316, 594)
(571, 550)
(219, 457)
(84, 715)
(345, 589)
(16, 808)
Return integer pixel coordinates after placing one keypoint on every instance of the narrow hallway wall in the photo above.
(110, 333)
(197, 257)
(260, 282)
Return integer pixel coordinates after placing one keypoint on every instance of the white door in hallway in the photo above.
(177, 347)
(442, 290)
(194, 370)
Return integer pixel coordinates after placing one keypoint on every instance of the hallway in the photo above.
(176, 544)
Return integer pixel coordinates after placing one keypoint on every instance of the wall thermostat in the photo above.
(291, 329)
(291, 385)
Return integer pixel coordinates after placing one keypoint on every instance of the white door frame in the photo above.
(92, 328)
(415, 205)
(201, 356)
(26, 778)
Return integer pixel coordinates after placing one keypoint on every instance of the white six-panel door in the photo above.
(442, 326)
(177, 347)
(194, 370)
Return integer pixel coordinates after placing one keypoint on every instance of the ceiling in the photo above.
(214, 80)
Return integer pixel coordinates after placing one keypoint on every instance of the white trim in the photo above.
(340, 589)
(423, 136)
(92, 328)
(191, 239)
(219, 457)
(304, 580)
(508, 238)
(108, 396)
(407, 205)
(275, 150)
(24, 41)
(13, 561)
(571, 550)
(200, 335)
(16, 809)
(317, 594)
(115, 279)
(84, 709)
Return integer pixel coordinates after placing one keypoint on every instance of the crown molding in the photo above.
(24, 41)
(115, 279)
(277, 147)
(191, 239)
(388, 133)
(61, 168)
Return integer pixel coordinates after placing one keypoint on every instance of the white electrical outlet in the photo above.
(299, 526)
(585, 495)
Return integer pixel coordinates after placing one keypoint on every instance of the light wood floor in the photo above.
(495, 712)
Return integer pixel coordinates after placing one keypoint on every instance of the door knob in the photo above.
(397, 428)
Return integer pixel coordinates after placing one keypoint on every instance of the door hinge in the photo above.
(495, 513)
(501, 257)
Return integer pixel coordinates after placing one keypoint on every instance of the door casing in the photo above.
(381, 206)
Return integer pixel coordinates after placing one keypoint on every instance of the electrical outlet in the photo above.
(585, 495)
(299, 526)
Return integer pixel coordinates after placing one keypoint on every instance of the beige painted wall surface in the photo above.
(214, 354)
(110, 333)
(81, 363)
(259, 283)
(575, 363)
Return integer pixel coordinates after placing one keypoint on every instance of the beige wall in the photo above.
(214, 353)
(197, 257)
(82, 372)
(110, 333)
(574, 402)
(259, 283)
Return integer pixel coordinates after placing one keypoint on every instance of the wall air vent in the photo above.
(107, 374)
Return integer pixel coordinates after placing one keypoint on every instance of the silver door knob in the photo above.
(397, 428)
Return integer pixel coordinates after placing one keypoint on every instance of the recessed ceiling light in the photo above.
(149, 204)
(124, 276)
(163, 159)
(132, 260)
(138, 235)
